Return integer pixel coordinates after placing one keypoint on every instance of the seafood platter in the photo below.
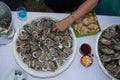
(42, 52)
(108, 51)
(86, 25)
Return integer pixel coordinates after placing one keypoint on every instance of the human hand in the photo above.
(61, 25)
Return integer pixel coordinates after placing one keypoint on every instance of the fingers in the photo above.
(54, 28)
(57, 30)
(57, 27)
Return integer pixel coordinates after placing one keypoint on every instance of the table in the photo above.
(76, 71)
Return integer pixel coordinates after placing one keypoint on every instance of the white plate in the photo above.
(40, 73)
(97, 54)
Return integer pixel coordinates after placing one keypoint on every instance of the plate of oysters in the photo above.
(42, 52)
(108, 51)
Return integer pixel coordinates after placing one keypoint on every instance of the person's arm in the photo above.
(82, 9)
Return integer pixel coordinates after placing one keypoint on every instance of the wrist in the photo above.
(71, 19)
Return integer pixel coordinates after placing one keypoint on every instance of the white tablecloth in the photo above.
(76, 71)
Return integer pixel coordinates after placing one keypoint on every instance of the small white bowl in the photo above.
(43, 74)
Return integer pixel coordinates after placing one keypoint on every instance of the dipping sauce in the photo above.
(86, 60)
(85, 49)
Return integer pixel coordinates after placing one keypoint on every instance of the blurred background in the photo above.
(104, 7)
(30, 5)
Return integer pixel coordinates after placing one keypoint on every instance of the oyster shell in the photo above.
(105, 41)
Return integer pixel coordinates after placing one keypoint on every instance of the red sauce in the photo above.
(85, 48)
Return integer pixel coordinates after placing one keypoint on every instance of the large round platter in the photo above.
(40, 73)
(106, 53)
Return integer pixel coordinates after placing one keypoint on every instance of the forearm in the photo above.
(83, 9)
